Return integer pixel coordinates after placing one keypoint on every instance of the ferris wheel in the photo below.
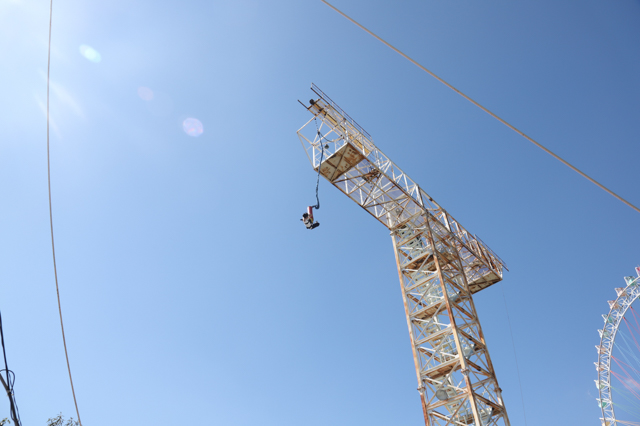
(619, 358)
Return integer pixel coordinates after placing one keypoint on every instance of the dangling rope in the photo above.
(317, 206)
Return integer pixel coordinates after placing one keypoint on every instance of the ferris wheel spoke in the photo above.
(634, 389)
(629, 409)
(622, 422)
(631, 331)
(633, 313)
(620, 363)
(626, 379)
(627, 351)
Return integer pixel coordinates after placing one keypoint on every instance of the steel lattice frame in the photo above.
(440, 266)
(612, 321)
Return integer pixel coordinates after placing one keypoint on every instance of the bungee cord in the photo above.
(317, 206)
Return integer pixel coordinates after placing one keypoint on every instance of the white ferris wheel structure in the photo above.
(612, 322)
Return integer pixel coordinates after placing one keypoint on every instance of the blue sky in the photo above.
(192, 293)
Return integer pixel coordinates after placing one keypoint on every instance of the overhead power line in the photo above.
(566, 163)
(8, 384)
(53, 247)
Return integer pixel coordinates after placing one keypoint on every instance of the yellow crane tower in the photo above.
(440, 265)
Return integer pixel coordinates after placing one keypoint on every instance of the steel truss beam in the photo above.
(440, 266)
(456, 379)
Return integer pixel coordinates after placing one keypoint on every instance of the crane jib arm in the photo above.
(353, 164)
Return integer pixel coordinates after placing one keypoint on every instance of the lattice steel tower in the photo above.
(440, 265)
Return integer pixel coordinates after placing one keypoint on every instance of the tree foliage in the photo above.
(54, 421)
(59, 421)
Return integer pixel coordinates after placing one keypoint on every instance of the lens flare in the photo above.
(145, 93)
(90, 53)
(192, 127)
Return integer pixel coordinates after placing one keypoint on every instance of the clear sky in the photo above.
(192, 294)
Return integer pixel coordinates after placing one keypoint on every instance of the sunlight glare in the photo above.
(145, 93)
(192, 127)
(90, 53)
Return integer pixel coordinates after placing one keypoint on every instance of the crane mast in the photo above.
(440, 265)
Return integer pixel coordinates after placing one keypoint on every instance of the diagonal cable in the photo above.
(566, 163)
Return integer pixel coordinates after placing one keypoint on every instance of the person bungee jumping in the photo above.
(307, 219)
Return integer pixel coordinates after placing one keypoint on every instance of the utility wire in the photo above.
(575, 169)
(53, 247)
(8, 385)
(4, 352)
